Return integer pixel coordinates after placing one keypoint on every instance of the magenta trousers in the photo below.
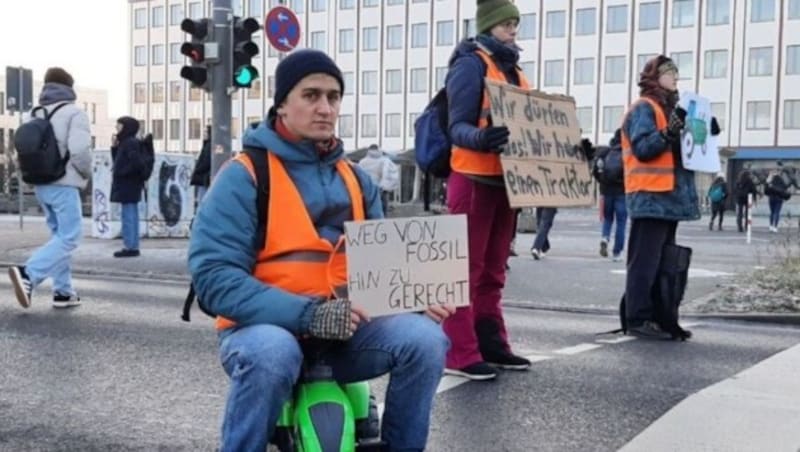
(490, 223)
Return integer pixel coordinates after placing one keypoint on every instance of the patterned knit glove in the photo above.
(331, 320)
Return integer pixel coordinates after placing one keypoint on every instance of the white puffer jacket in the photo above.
(381, 170)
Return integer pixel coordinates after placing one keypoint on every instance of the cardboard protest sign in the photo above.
(407, 264)
(699, 151)
(540, 164)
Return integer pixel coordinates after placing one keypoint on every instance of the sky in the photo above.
(88, 38)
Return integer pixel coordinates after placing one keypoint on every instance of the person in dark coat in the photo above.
(127, 183)
(612, 188)
(201, 176)
(717, 194)
(744, 186)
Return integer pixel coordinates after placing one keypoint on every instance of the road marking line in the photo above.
(616, 340)
(575, 349)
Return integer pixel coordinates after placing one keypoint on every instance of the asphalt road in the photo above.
(122, 372)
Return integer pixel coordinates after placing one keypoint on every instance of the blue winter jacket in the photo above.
(682, 202)
(222, 249)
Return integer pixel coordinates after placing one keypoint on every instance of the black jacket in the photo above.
(126, 182)
(201, 176)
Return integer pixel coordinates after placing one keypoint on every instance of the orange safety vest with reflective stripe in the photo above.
(470, 161)
(657, 175)
(294, 256)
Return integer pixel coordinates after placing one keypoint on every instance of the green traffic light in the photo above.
(245, 75)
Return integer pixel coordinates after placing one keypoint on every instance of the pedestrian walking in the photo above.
(60, 199)
(383, 172)
(607, 169)
(744, 187)
(717, 195)
(544, 222)
(201, 175)
(476, 188)
(127, 182)
(777, 191)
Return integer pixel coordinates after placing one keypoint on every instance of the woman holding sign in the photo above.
(476, 188)
(660, 192)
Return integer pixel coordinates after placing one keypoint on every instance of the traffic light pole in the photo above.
(220, 74)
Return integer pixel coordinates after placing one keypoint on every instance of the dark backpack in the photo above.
(39, 158)
(607, 167)
(432, 145)
(147, 155)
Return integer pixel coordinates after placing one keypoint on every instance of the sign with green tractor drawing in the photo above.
(698, 147)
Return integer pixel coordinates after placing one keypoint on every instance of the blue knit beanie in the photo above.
(300, 64)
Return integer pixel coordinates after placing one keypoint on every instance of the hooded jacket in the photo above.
(126, 182)
(380, 169)
(72, 131)
(222, 245)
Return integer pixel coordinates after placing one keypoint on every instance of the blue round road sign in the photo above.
(282, 28)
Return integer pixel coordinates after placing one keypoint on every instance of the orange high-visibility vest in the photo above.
(294, 256)
(470, 161)
(657, 175)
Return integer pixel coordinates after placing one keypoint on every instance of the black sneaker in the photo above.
(604, 248)
(127, 253)
(22, 285)
(478, 371)
(66, 301)
(649, 330)
(508, 361)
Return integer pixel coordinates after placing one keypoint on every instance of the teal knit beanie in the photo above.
(493, 12)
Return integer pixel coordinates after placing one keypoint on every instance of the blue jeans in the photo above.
(775, 205)
(130, 225)
(62, 210)
(614, 208)
(544, 222)
(264, 361)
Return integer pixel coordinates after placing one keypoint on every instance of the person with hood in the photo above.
(777, 191)
(127, 183)
(60, 200)
(660, 192)
(476, 188)
(717, 194)
(270, 301)
(745, 187)
(608, 171)
(201, 175)
(383, 173)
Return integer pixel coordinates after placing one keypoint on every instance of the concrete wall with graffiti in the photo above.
(167, 205)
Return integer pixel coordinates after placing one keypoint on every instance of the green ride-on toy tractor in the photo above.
(695, 133)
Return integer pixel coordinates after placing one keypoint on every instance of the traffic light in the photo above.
(197, 72)
(244, 49)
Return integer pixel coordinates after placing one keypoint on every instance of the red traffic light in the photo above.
(194, 51)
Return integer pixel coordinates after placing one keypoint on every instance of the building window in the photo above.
(685, 64)
(158, 54)
(794, 9)
(617, 19)
(175, 89)
(139, 93)
(157, 93)
(718, 12)
(346, 40)
(195, 10)
(469, 28)
(394, 81)
(195, 94)
(760, 62)
(236, 128)
(271, 86)
(394, 37)
(349, 83)
(318, 5)
(762, 10)
(650, 16)
(527, 27)
(174, 129)
(370, 3)
(140, 56)
(555, 24)
(392, 124)
(642, 59)
(682, 13)
(254, 7)
(347, 4)
(441, 77)
(529, 69)
(298, 6)
(716, 64)
(584, 71)
(612, 118)
(369, 126)
(585, 21)
(175, 14)
(758, 113)
(158, 17)
(254, 92)
(175, 55)
(718, 111)
(419, 35)
(791, 114)
(157, 129)
(369, 39)
(194, 128)
(554, 73)
(419, 80)
(585, 119)
(319, 41)
(615, 69)
(140, 18)
(369, 82)
(394, 2)
(793, 60)
(444, 33)
(346, 126)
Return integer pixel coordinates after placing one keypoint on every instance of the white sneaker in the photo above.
(536, 254)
